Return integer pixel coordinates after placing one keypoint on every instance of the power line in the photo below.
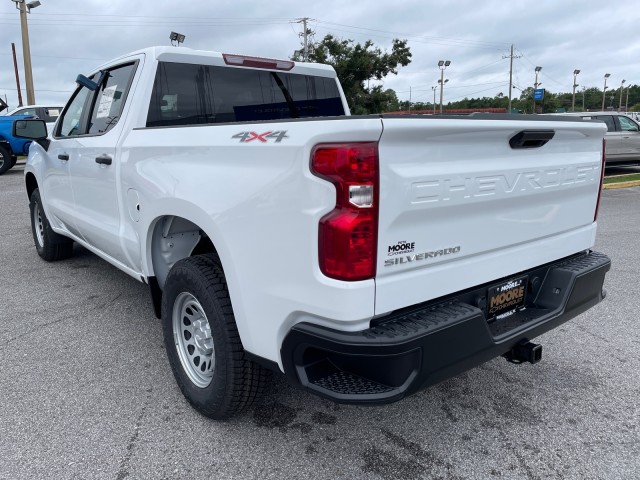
(39, 89)
(455, 86)
(542, 74)
(423, 38)
(63, 58)
(409, 71)
(168, 17)
(474, 93)
(44, 22)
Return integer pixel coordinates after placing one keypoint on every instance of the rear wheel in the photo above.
(5, 159)
(49, 245)
(202, 340)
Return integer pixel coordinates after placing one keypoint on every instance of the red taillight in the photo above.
(604, 144)
(348, 235)
(257, 62)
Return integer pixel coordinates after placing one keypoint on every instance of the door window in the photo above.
(71, 124)
(109, 100)
(627, 125)
(608, 119)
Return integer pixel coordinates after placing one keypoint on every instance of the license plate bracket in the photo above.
(506, 298)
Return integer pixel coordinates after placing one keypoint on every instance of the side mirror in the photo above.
(31, 129)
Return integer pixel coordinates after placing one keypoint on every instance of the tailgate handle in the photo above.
(531, 138)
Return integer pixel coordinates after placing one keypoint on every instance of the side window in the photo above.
(182, 95)
(26, 111)
(51, 114)
(608, 119)
(109, 100)
(627, 125)
(71, 120)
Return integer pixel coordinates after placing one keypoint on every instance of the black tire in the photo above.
(14, 160)
(210, 367)
(49, 245)
(5, 159)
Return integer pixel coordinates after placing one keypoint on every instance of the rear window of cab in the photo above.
(191, 94)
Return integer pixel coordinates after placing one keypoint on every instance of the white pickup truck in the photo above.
(364, 257)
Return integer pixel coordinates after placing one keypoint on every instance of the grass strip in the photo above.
(622, 178)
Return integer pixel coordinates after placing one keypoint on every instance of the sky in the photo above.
(68, 37)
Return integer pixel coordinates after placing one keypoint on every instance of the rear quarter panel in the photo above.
(260, 205)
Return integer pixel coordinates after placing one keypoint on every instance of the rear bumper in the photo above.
(421, 345)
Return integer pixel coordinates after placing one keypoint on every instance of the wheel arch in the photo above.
(170, 237)
(30, 183)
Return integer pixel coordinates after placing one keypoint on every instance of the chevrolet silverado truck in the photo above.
(364, 257)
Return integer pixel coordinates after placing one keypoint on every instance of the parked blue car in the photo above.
(10, 146)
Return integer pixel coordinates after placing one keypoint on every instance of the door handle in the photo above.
(63, 156)
(103, 159)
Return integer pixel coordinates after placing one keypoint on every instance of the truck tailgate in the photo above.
(459, 206)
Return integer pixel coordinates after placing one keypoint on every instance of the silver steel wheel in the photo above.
(193, 340)
(38, 226)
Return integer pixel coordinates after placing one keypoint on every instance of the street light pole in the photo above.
(535, 87)
(26, 51)
(441, 87)
(583, 89)
(434, 98)
(442, 64)
(621, 86)
(573, 101)
(626, 106)
(604, 90)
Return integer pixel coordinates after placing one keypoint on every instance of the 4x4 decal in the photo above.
(246, 137)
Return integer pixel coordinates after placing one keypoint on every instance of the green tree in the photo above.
(356, 65)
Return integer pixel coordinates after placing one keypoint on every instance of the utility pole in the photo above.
(305, 35)
(15, 67)
(511, 56)
(621, 87)
(26, 51)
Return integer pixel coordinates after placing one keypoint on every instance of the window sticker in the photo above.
(106, 100)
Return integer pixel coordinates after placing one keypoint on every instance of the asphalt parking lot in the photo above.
(86, 390)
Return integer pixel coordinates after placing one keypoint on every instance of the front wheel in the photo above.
(202, 340)
(5, 159)
(49, 245)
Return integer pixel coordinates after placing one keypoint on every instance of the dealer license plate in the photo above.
(506, 298)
